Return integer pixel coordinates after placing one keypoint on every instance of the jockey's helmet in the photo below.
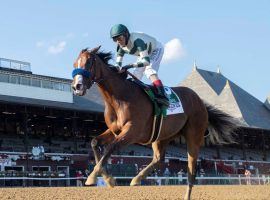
(119, 29)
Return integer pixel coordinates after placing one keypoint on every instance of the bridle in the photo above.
(88, 71)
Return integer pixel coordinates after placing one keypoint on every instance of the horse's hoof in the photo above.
(94, 185)
(91, 181)
(135, 182)
(110, 181)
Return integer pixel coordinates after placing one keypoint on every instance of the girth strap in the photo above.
(156, 129)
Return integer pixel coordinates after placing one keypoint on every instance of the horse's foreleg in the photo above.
(104, 138)
(119, 141)
(158, 156)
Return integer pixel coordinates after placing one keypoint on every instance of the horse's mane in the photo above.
(104, 56)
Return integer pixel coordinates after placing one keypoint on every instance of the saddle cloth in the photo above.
(175, 106)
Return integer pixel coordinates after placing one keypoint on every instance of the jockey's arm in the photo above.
(143, 53)
(119, 57)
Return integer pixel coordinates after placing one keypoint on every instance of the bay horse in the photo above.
(129, 117)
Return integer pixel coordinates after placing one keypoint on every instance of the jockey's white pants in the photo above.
(155, 59)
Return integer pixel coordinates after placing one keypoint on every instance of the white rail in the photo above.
(255, 180)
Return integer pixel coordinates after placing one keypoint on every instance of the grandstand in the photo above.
(216, 89)
(45, 131)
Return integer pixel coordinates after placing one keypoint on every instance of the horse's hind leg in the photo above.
(194, 139)
(101, 140)
(158, 157)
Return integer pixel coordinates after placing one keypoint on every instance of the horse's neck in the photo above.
(112, 87)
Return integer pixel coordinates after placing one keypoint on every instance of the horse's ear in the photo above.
(94, 50)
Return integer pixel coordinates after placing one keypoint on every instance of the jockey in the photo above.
(149, 52)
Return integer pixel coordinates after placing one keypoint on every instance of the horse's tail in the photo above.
(221, 126)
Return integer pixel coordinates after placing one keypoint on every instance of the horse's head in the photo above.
(92, 66)
(84, 71)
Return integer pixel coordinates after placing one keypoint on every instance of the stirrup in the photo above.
(163, 101)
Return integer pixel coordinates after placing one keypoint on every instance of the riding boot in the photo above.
(162, 97)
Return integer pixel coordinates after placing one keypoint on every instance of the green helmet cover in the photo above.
(118, 29)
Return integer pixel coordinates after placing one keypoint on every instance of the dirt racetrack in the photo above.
(135, 193)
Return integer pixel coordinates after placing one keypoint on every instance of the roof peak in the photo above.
(218, 70)
(227, 85)
(194, 66)
(267, 103)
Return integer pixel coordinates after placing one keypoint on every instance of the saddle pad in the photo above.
(175, 106)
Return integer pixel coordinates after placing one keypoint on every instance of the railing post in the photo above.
(239, 178)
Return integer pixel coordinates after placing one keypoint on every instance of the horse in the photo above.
(129, 117)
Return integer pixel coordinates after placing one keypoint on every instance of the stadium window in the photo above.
(15, 65)
(66, 87)
(57, 86)
(47, 84)
(5, 64)
(4, 78)
(14, 79)
(25, 67)
(25, 81)
(36, 82)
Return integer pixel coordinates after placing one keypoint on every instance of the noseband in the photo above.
(80, 71)
(86, 71)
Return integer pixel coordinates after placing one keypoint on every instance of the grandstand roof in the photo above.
(267, 103)
(218, 90)
(92, 101)
(79, 104)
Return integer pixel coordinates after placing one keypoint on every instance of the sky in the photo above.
(233, 36)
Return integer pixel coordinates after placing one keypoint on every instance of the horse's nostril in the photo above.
(78, 86)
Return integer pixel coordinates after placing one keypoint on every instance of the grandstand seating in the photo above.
(207, 153)
(254, 154)
(136, 150)
(123, 162)
(16, 143)
(179, 151)
(231, 153)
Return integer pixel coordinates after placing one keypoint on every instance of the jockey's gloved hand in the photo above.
(117, 67)
(126, 67)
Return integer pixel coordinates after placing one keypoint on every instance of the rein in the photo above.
(98, 81)
(90, 75)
